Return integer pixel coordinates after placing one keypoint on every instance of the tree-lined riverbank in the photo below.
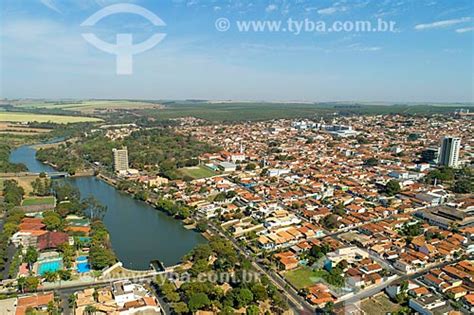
(139, 233)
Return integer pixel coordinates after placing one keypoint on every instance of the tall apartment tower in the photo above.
(449, 153)
(120, 159)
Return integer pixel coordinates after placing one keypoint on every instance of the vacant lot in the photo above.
(197, 172)
(379, 304)
(304, 277)
(23, 181)
(27, 117)
(38, 201)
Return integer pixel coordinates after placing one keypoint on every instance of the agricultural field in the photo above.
(379, 304)
(304, 277)
(30, 117)
(234, 111)
(19, 129)
(87, 106)
(197, 172)
(238, 111)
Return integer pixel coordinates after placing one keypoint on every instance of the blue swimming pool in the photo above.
(52, 265)
(82, 265)
(84, 239)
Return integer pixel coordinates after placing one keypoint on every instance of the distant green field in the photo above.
(38, 201)
(239, 111)
(27, 117)
(198, 172)
(87, 106)
(266, 111)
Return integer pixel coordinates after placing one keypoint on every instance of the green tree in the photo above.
(243, 297)
(250, 167)
(198, 301)
(93, 208)
(28, 284)
(68, 252)
(52, 308)
(199, 266)
(220, 197)
(52, 220)
(328, 308)
(329, 221)
(201, 226)
(31, 256)
(50, 276)
(371, 162)
(72, 300)
(90, 310)
(392, 188)
(252, 310)
(259, 292)
(463, 186)
(180, 308)
(12, 193)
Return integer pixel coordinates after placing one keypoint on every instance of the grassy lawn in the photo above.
(38, 201)
(197, 172)
(26, 117)
(379, 304)
(303, 277)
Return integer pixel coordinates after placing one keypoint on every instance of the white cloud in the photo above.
(362, 48)
(465, 29)
(271, 8)
(441, 24)
(51, 4)
(331, 10)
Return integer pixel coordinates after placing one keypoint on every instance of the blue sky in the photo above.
(429, 56)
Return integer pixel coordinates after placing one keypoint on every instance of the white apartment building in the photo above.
(449, 153)
(120, 159)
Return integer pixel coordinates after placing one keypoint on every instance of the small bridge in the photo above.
(49, 174)
(56, 174)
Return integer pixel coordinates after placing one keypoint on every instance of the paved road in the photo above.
(296, 302)
(372, 291)
(9, 253)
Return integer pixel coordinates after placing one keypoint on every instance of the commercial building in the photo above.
(227, 167)
(446, 217)
(449, 154)
(120, 159)
(429, 305)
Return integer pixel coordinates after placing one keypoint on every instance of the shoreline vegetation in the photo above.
(170, 208)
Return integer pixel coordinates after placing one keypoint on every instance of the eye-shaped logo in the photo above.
(124, 49)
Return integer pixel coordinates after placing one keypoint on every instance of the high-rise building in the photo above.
(430, 155)
(449, 153)
(120, 159)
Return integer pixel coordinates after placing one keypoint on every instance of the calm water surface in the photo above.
(139, 232)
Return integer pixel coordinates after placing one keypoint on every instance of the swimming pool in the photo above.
(52, 265)
(84, 239)
(82, 264)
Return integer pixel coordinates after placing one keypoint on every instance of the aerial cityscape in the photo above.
(187, 173)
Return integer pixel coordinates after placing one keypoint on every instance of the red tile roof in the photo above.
(51, 240)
